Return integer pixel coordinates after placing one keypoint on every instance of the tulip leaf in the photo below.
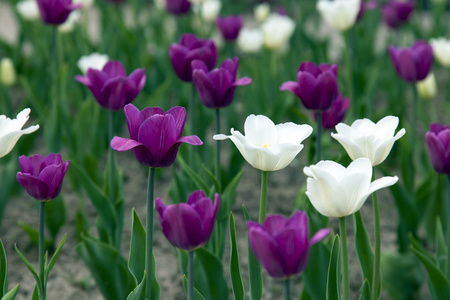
(315, 274)
(213, 178)
(364, 291)
(334, 274)
(136, 260)
(139, 292)
(49, 267)
(55, 216)
(197, 294)
(441, 248)
(228, 195)
(11, 295)
(3, 270)
(31, 268)
(199, 182)
(213, 271)
(33, 233)
(235, 268)
(254, 268)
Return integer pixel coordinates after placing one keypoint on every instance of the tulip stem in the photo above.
(218, 147)
(192, 120)
(376, 260)
(413, 138)
(263, 200)
(149, 232)
(190, 287)
(319, 136)
(448, 228)
(287, 289)
(344, 258)
(41, 249)
(112, 198)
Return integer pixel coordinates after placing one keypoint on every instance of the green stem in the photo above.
(287, 289)
(448, 228)
(413, 137)
(190, 287)
(41, 250)
(111, 181)
(149, 231)
(263, 200)
(376, 261)
(217, 169)
(192, 120)
(319, 136)
(344, 258)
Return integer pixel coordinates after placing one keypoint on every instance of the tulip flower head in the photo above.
(441, 50)
(250, 40)
(414, 63)
(178, 7)
(11, 130)
(282, 245)
(155, 135)
(210, 9)
(336, 191)
(189, 225)
(367, 139)
(336, 113)
(277, 30)
(55, 12)
(339, 14)
(427, 88)
(92, 61)
(230, 26)
(8, 75)
(438, 142)
(216, 88)
(42, 177)
(189, 49)
(111, 87)
(397, 12)
(316, 86)
(28, 9)
(261, 12)
(266, 146)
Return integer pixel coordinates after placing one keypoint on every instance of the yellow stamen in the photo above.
(266, 146)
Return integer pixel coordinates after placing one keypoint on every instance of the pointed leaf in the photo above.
(199, 182)
(136, 260)
(365, 291)
(31, 268)
(49, 267)
(333, 286)
(212, 267)
(441, 247)
(235, 268)
(139, 292)
(3, 270)
(197, 294)
(11, 295)
(213, 178)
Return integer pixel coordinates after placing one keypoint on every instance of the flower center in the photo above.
(266, 146)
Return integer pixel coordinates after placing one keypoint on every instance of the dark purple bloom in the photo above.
(111, 87)
(230, 26)
(155, 135)
(189, 49)
(216, 88)
(438, 141)
(188, 226)
(316, 86)
(336, 113)
(414, 63)
(397, 12)
(365, 6)
(42, 177)
(55, 12)
(282, 245)
(178, 7)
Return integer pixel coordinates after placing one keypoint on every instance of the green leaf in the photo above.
(365, 291)
(33, 233)
(315, 274)
(35, 295)
(235, 268)
(333, 278)
(213, 178)
(197, 294)
(136, 260)
(139, 292)
(3, 270)
(228, 195)
(213, 271)
(55, 216)
(31, 268)
(49, 267)
(441, 248)
(199, 182)
(254, 268)
(11, 295)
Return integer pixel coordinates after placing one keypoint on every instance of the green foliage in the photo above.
(3, 270)
(333, 290)
(235, 269)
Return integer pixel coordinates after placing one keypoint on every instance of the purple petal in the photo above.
(52, 176)
(310, 68)
(134, 120)
(319, 235)
(325, 91)
(195, 196)
(34, 186)
(306, 84)
(138, 77)
(180, 64)
(291, 86)
(160, 208)
(114, 68)
(205, 88)
(122, 144)
(117, 92)
(25, 165)
(274, 224)
(179, 115)
(199, 64)
(242, 81)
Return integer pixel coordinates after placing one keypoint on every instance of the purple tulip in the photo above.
(316, 86)
(154, 135)
(336, 113)
(397, 12)
(178, 7)
(111, 87)
(216, 88)
(438, 141)
(281, 245)
(414, 63)
(230, 26)
(365, 6)
(189, 49)
(55, 12)
(42, 177)
(188, 226)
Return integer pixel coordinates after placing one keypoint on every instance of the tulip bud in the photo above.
(439, 147)
(28, 9)
(7, 72)
(277, 31)
(210, 10)
(397, 12)
(55, 12)
(339, 14)
(441, 50)
(427, 88)
(261, 12)
(229, 26)
(250, 40)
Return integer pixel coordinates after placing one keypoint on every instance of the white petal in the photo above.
(260, 130)
(382, 183)
(293, 133)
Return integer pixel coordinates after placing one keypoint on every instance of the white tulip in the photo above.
(339, 14)
(7, 72)
(250, 40)
(28, 9)
(441, 50)
(277, 31)
(94, 61)
(261, 12)
(427, 88)
(367, 139)
(336, 191)
(266, 146)
(210, 10)
(11, 130)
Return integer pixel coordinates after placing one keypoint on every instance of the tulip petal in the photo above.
(52, 175)
(293, 133)
(319, 235)
(275, 224)
(114, 68)
(205, 88)
(34, 186)
(122, 144)
(382, 183)
(179, 115)
(291, 86)
(260, 130)
(138, 77)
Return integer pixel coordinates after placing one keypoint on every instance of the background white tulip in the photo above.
(336, 191)
(28, 9)
(441, 50)
(261, 12)
(367, 139)
(250, 40)
(210, 10)
(7, 72)
(427, 88)
(339, 14)
(277, 31)
(266, 146)
(11, 130)
(94, 61)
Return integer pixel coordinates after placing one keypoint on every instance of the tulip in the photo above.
(261, 12)
(336, 113)
(111, 87)
(277, 31)
(7, 72)
(229, 26)
(189, 226)
(397, 12)
(11, 130)
(250, 40)
(336, 191)
(316, 86)
(339, 14)
(441, 50)
(41, 176)
(155, 135)
(92, 61)
(265, 146)
(282, 245)
(438, 142)
(216, 88)
(367, 139)
(178, 7)
(28, 9)
(414, 63)
(210, 10)
(189, 49)
(427, 88)
(55, 12)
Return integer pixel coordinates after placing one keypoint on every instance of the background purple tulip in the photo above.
(111, 87)
(230, 26)
(438, 141)
(216, 88)
(282, 245)
(414, 63)
(178, 7)
(189, 226)
(42, 177)
(189, 49)
(55, 12)
(155, 135)
(397, 12)
(316, 86)
(336, 113)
